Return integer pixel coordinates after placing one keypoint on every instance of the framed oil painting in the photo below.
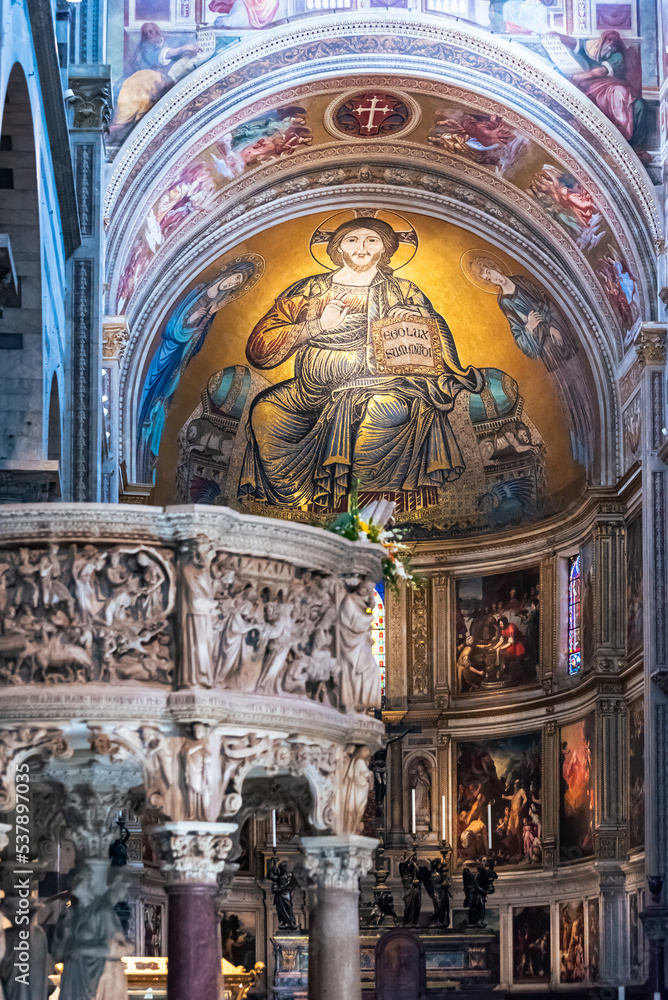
(498, 630)
(154, 930)
(576, 790)
(594, 939)
(634, 936)
(238, 934)
(531, 944)
(636, 774)
(500, 779)
(572, 965)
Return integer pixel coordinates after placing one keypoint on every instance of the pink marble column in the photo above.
(193, 855)
(193, 942)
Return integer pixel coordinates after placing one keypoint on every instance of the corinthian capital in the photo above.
(194, 852)
(650, 344)
(338, 862)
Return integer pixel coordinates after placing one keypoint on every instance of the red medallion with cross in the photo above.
(371, 113)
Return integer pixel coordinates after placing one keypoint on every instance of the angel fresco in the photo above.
(567, 201)
(485, 139)
(346, 415)
(182, 338)
(271, 135)
(620, 288)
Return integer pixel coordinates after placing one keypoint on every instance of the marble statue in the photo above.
(421, 782)
(196, 761)
(198, 608)
(355, 787)
(11, 988)
(283, 635)
(89, 940)
(283, 885)
(360, 676)
(54, 590)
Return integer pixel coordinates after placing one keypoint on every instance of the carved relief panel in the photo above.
(86, 613)
(419, 644)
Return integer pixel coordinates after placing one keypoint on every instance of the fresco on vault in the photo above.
(277, 133)
(450, 128)
(498, 630)
(576, 790)
(505, 774)
(343, 367)
(154, 44)
(567, 201)
(608, 72)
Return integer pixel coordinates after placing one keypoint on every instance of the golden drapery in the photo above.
(337, 421)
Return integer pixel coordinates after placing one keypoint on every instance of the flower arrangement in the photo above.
(358, 523)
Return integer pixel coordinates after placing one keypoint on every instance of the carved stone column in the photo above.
(395, 793)
(335, 866)
(89, 115)
(442, 625)
(193, 855)
(115, 337)
(651, 358)
(655, 924)
(610, 826)
(610, 581)
(443, 741)
(550, 794)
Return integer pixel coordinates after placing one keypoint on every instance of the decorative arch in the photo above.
(434, 60)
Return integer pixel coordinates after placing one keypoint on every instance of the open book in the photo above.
(407, 347)
(563, 58)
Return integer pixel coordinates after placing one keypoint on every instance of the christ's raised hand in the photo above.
(333, 315)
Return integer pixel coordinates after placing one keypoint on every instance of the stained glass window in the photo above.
(574, 616)
(378, 631)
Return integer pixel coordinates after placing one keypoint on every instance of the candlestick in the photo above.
(443, 817)
(489, 826)
(273, 828)
(413, 826)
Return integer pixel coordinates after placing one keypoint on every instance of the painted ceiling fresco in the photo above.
(154, 44)
(281, 131)
(397, 352)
